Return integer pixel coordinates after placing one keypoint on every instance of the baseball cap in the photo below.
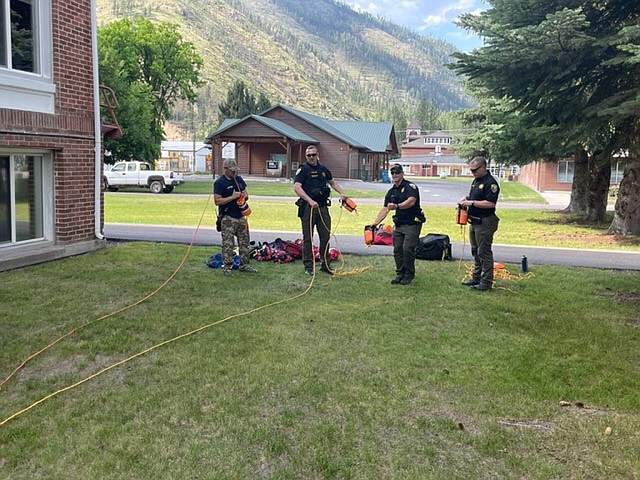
(231, 164)
(396, 168)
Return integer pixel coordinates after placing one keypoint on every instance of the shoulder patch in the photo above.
(298, 170)
(494, 187)
(413, 185)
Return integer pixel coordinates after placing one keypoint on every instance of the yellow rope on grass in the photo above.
(109, 315)
(150, 349)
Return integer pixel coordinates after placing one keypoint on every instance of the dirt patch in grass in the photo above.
(597, 240)
(570, 218)
(595, 234)
(620, 296)
(80, 365)
(625, 297)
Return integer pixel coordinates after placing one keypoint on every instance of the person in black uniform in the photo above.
(481, 212)
(404, 199)
(311, 184)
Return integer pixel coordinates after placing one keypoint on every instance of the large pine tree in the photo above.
(572, 67)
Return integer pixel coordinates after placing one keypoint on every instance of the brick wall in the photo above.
(69, 133)
(543, 177)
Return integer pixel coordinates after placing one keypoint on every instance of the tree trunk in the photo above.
(580, 186)
(598, 193)
(626, 220)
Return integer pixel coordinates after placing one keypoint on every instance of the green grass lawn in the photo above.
(518, 226)
(509, 191)
(259, 188)
(351, 378)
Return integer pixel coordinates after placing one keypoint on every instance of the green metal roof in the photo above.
(285, 129)
(376, 136)
(276, 125)
(323, 124)
(373, 136)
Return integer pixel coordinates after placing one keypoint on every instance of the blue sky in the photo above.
(430, 17)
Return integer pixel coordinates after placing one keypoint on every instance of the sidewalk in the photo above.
(557, 200)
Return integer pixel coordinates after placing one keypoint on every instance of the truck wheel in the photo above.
(105, 183)
(168, 189)
(156, 186)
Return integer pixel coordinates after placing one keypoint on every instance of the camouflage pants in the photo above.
(232, 229)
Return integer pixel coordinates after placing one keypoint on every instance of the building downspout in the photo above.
(98, 124)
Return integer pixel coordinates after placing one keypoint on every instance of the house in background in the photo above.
(273, 144)
(548, 176)
(430, 155)
(184, 157)
(558, 176)
(50, 132)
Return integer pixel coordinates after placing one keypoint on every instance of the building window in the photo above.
(617, 171)
(565, 171)
(25, 199)
(437, 140)
(25, 56)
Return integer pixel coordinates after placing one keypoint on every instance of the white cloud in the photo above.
(448, 12)
(432, 20)
(433, 17)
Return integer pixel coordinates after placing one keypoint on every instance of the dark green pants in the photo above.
(321, 220)
(405, 240)
(481, 239)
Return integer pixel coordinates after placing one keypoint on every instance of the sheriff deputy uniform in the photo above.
(483, 225)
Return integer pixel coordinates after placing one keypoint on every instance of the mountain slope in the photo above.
(318, 56)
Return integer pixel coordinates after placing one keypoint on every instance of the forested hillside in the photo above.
(318, 56)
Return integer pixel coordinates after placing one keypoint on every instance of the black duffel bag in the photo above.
(434, 246)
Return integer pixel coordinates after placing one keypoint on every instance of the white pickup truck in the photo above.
(140, 174)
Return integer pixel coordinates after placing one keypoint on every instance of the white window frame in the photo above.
(46, 195)
(617, 171)
(33, 92)
(562, 173)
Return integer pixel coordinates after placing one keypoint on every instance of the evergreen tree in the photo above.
(571, 69)
(241, 102)
(427, 115)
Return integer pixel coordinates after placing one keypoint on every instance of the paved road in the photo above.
(354, 244)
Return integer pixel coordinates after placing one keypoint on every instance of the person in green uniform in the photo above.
(481, 211)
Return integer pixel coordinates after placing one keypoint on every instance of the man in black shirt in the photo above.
(311, 184)
(404, 199)
(481, 210)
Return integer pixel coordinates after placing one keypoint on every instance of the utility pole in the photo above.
(193, 129)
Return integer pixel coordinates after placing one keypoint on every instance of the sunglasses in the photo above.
(312, 154)
(474, 170)
(395, 172)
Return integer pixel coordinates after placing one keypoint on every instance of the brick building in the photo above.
(273, 143)
(50, 132)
